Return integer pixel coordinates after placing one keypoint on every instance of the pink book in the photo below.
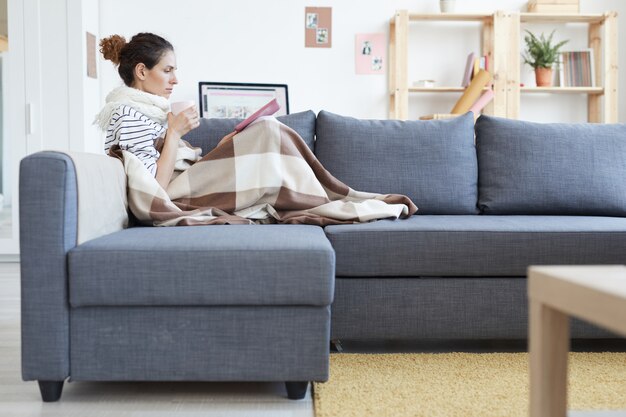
(267, 110)
(469, 66)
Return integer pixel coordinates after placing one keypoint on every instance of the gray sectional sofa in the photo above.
(260, 303)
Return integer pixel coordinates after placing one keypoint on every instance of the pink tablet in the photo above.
(267, 110)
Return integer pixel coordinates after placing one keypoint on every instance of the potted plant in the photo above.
(541, 54)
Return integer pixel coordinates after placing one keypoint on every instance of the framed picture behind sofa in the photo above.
(239, 100)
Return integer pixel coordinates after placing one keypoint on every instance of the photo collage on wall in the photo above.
(370, 52)
(318, 27)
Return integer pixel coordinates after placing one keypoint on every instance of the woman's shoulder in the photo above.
(127, 119)
(127, 112)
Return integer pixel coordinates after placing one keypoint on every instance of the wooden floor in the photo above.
(84, 399)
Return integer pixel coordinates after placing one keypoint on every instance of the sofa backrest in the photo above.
(551, 168)
(210, 131)
(432, 162)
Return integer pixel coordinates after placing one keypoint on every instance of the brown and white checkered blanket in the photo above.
(264, 174)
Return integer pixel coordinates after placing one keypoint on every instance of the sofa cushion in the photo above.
(432, 162)
(555, 168)
(475, 245)
(210, 131)
(204, 265)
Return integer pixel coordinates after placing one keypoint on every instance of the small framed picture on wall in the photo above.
(370, 53)
(318, 23)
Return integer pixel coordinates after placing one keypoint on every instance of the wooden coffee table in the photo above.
(596, 294)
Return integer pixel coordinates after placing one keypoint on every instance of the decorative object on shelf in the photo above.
(447, 6)
(482, 101)
(576, 69)
(370, 52)
(541, 54)
(554, 6)
(318, 27)
(472, 92)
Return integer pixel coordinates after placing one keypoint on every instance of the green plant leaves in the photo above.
(540, 52)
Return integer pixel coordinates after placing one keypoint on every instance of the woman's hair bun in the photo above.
(111, 47)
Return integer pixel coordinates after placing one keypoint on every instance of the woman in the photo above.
(137, 114)
(265, 173)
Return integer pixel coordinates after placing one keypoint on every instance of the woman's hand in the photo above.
(184, 121)
(177, 126)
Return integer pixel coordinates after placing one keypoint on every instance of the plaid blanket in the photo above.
(264, 174)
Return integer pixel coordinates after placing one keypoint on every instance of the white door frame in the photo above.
(15, 113)
(42, 95)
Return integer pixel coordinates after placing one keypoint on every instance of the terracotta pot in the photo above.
(543, 76)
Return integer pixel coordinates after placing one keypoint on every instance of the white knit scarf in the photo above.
(152, 106)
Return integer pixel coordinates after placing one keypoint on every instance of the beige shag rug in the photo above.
(459, 384)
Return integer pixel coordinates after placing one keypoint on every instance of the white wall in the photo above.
(47, 81)
(253, 41)
(84, 91)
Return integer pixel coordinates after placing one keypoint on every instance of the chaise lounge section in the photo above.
(218, 303)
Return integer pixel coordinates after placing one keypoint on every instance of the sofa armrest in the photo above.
(49, 228)
(102, 198)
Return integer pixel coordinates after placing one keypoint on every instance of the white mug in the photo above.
(181, 105)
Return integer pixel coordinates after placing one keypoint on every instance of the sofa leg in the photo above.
(335, 346)
(50, 390)
(296, 390)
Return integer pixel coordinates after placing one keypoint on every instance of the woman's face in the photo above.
(159, 80)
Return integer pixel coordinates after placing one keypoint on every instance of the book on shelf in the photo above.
(473, 65)
(469, 68)
(576, 69)
(476, 67)
(484, 63)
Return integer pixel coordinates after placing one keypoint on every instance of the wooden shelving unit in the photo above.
(500, 35)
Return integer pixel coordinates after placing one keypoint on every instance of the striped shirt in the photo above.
(135, 133)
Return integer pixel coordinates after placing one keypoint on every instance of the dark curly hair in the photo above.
(146, 48)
